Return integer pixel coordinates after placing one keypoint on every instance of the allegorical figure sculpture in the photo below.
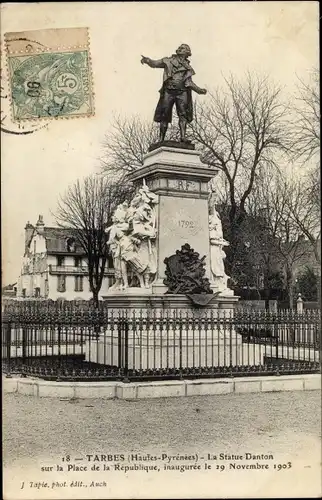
(217, 254)
(120, 246)
(176, 89)
(142, 220)
(132, 240)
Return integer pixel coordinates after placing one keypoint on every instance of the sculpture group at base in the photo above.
(132, 240)
(131, 243)
(185, 272)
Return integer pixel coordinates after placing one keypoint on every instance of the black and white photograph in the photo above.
(161, 250)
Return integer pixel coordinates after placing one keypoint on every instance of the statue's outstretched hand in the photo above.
(144, 60)
(203, 91)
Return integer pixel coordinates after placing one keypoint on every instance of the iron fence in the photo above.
(74, 341)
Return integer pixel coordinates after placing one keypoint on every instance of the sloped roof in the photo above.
(60, 240)
(9, 287)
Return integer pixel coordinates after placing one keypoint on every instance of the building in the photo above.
(54, 265)
(9, 291)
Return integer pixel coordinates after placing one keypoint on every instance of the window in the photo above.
(37, 292)
(78, 283)
(61, 283)
(23, 292)
(60, 260)
(78, 261)
(70, 244)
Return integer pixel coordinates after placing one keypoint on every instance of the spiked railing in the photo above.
(74, 341)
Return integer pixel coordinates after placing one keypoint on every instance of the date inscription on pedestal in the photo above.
(187, 224)
(181, 224)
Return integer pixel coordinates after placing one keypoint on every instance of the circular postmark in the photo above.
(7, 124)
(23, 45)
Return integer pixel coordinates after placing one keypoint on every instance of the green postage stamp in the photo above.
(50, 74)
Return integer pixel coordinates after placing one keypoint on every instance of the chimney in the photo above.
(40, 226)
(29, 229)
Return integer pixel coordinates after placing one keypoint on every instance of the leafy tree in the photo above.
(307, 283)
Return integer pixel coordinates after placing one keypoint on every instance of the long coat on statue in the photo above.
(171, 66)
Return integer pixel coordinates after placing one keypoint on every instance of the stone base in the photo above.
(172, 349)
(224, 292)
(159, 288)
(162, 388)
(179, 344)
(172, 144)
(129, 292)
(141, 299)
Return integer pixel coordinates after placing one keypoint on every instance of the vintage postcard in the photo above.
(161, 250)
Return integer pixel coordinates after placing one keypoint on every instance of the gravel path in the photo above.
(287, 425)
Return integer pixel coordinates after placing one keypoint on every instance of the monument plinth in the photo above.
(172, 144)
(180, 180)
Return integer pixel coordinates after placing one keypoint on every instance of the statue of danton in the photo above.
(176, 89)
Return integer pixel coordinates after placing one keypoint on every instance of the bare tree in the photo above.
(307, 119)
(86, 208)
(240, 130)
(279, 240)
(125, 144)
(128, 140)
(305, 203)
(304, 206)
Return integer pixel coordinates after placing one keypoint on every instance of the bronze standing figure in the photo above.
(176, 89)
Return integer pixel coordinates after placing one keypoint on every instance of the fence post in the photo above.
(277, 344)
(119, 344)
(123, 348)
(8, 339)
(180, 343)
(24, 350)
(126, 351)
(59, 370)
(231, 331)
(299, 304)
(273, 306)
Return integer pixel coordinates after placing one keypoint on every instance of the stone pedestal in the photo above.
(181, 180)
(160, 335)
(171, 349)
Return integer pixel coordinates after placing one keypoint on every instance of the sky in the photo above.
(275, 38)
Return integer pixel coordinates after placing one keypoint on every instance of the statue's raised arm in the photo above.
(176, 89)
(159, 63)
